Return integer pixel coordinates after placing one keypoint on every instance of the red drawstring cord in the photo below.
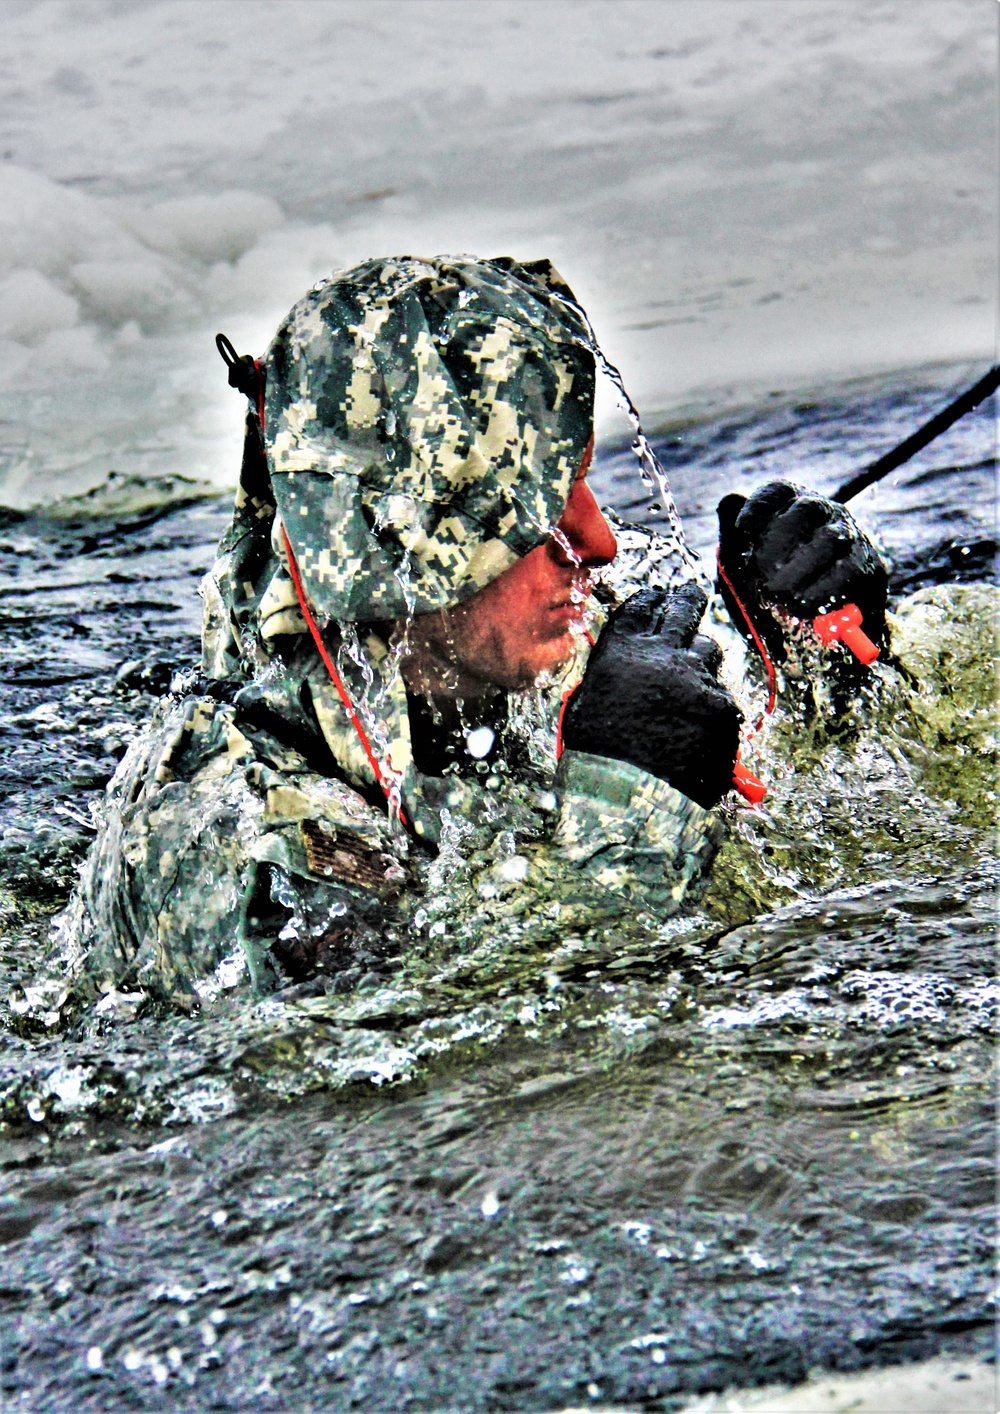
(260, 395)
(338, 682)
(317, 638)
(772, 677)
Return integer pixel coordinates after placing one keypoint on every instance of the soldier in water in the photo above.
(400, 634)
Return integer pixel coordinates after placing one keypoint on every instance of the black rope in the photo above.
(919, 439)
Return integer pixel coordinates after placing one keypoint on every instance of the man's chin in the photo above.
(547, 660)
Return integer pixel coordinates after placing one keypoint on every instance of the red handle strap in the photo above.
(772, 677)
(749, 786)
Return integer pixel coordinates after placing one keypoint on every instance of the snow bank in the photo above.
(67, 257)
(742, 194)
(208, 228)
(108, 307)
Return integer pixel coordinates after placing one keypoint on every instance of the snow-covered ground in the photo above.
(745, 193)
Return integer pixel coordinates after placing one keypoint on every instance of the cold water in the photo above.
(561, 1152)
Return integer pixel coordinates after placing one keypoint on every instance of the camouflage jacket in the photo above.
(245, 825)
(217, 834)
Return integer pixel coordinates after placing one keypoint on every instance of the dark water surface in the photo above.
(613, 1163)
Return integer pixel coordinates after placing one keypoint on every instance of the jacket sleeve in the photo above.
(624, 828)
(213, 842)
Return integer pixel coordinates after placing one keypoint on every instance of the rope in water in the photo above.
(918, 440)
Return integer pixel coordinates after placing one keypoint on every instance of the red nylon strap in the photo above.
(570, 690)
(559, 721)
(772, 677)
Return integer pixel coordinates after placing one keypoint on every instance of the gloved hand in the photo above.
(788, 549)
(650, 696)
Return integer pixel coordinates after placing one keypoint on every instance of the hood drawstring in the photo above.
(388, 782)
(247, 376)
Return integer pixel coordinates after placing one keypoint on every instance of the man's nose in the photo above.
(584, 537)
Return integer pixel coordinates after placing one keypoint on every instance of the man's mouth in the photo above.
(576, 596)
(570, 609)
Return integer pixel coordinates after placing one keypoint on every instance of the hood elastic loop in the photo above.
(244, 370)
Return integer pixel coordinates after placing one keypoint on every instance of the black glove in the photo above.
(788, 549)
(650, 696)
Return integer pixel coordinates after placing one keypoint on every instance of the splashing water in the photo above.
(764, 1085)
(499, 935)
(673, 544)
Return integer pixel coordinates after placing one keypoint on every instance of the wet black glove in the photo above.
(650, 696)
(788, 549)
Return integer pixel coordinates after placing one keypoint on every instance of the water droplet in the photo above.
(479, 743)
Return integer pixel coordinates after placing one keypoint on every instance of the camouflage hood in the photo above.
(424, 421)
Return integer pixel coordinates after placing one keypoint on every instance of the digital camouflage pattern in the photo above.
(424, 422)
(245, 828)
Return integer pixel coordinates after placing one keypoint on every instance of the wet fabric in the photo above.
(256, 790)
(424, 423)
(208, 821)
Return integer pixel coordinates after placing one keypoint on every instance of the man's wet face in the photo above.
(520, 625)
